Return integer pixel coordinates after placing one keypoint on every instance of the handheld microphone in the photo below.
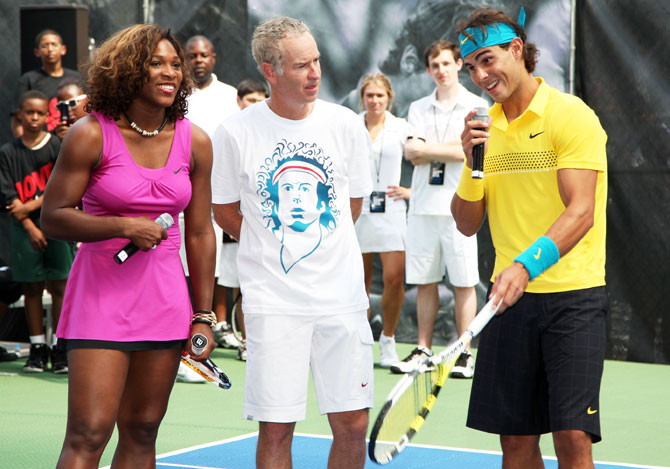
(478, 150)
(165, 221)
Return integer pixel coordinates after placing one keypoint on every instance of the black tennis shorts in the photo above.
(539, 366)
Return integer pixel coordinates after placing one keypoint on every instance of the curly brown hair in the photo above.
(119, 70)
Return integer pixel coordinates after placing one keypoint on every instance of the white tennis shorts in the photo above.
(382, 232)
(434, 245)
(228, 265)
(281, 349)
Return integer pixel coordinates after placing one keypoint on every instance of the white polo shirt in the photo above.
(430, 121)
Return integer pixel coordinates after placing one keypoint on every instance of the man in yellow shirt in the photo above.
(540, 360)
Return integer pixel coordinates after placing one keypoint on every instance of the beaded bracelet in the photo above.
(204, 316)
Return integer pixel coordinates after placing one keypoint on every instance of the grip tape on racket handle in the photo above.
(484, 316)
(198, 344)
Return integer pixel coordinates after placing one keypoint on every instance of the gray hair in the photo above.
(265, 41)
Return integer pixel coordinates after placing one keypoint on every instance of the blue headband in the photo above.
(496, 34)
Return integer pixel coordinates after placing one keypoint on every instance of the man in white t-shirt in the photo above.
(212, 100)
(208, 105)
(288, 180)
(434, 244)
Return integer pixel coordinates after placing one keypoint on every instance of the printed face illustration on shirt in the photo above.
(299, 204)
(296, 185)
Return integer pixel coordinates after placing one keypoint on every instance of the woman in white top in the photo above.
(382, 225)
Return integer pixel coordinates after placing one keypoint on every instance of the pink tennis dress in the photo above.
(146, 298)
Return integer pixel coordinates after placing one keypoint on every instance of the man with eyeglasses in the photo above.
(49, 48)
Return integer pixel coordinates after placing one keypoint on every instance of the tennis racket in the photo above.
(234, 318)
(413, 397)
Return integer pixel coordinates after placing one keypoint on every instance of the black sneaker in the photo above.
(37, 361)
(418, 356)
(6, 356)
(464, 366)
(59, 359)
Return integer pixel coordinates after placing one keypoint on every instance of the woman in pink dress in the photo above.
(124, 325)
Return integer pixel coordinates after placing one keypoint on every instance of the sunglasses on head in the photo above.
(73, 102)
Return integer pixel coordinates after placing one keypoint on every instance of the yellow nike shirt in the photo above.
(557, 131)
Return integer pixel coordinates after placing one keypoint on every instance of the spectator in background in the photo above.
(434, 245)
(25, 167)
(382, 226)
(211, 100)
(209, 104)
(249, 92)
(49, 48)
(70, 95)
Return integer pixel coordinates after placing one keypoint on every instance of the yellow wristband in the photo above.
(469, 189)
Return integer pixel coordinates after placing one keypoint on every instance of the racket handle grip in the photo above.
(483, 318)
(198, 344)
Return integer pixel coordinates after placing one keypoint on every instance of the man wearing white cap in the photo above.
(288, 181)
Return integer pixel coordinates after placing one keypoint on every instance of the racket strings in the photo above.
(407, 414)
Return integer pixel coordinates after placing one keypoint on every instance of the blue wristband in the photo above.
(541, 255)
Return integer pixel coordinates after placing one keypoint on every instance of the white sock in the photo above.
(38, 339)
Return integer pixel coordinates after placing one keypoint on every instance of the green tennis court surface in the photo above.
(33, 408)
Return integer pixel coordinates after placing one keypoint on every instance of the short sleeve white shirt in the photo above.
(208, 107)
(386, 160)
(294, 179)
(430, 121)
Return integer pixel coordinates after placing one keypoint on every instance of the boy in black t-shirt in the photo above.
(25, 167)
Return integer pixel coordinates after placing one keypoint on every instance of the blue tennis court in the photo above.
(311, 452)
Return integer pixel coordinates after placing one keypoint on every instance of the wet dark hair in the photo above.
(482, 17)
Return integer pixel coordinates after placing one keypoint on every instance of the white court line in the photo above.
(310, 435)
(192, 448)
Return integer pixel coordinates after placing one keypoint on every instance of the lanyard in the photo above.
(378, 160)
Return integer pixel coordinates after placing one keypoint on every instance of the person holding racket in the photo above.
(288, 181)
(135, 158)
(540, 360)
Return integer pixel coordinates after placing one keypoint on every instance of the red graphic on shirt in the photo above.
(34, 182)
(54, 115)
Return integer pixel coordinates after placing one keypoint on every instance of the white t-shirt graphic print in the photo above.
(294, 180)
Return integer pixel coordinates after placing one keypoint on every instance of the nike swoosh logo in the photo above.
(591, 411)
(364, 384)
(539, 251)
(535, 135)
(464, 41)
(180, 168)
